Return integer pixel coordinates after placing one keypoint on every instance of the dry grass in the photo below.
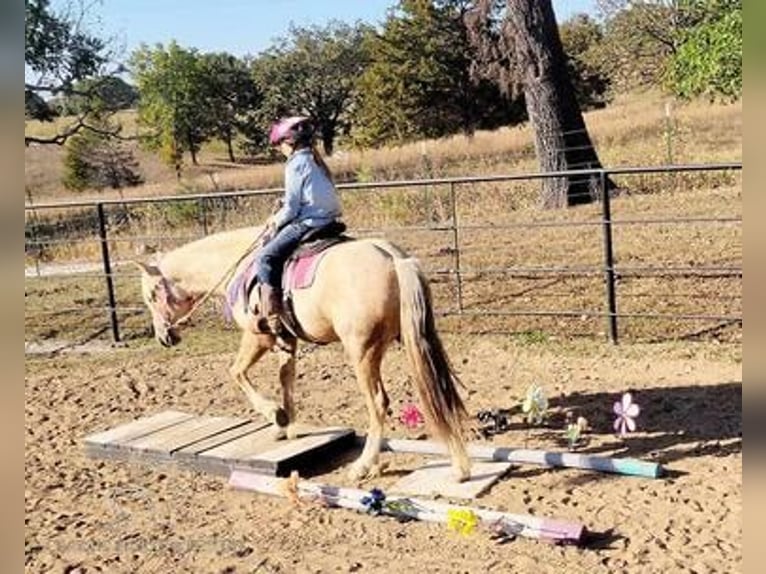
(632, 131)
(495, 233)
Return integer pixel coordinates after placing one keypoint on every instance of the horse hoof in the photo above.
(292, 432)
(281, 418)
(280, 433)
(357, 472)
(461, 475)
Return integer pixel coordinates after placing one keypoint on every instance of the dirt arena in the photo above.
(85, 515)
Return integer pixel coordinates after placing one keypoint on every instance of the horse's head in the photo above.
(166, 302)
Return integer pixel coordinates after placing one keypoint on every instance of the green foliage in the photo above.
(57, 56)
(419, 83)
(709, 59)
(232, 97)
(313, 72)
(55, 48)
(104, 94)
(181, 213)
(581, 36)
(639, 38)
(173, 87)
(93, 160)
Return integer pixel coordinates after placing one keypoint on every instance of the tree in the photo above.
(581, 36)
(36, 108)
(94, 160)
(57, 55)
(639, 40)
(709, 57)
(232, 97)
(419, 82)
(527, 38)
(108, 94)
(173, 87)
(313, 72)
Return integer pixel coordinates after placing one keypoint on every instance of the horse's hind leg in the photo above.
(251, 348)
(367, 368)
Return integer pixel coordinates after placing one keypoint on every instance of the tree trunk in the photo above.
(192, 148)
(562, 141)
(328, 140)
(229, 147)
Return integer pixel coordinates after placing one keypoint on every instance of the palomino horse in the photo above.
(366, 294)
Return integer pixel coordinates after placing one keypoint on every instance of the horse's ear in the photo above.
(152, 270)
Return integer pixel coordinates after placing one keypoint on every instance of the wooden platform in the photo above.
(216, 444)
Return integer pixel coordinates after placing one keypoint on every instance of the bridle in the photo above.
(165, 300)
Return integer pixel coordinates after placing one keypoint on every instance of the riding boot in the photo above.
(271, 312)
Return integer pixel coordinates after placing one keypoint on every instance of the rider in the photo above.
(310, 201)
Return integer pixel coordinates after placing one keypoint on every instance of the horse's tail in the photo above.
(436, 380)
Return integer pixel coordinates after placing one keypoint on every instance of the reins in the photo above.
(226, 276)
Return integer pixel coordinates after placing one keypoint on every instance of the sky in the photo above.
(239, 27)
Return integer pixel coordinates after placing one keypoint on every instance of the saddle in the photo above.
(300, 268)
(297, 273)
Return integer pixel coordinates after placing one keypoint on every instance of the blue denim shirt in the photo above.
(310, 196)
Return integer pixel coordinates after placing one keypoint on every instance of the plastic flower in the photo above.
(626, 411)
(535, 404)
(462, 520)
(373, 502)
(505, 530)
(411, 417)
(574, 431)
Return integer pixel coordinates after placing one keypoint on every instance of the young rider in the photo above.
(310, 201)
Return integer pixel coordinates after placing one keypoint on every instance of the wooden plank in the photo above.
(314, 444)
(192, 451)
(136, 429)
(242, 447)
(164, 443)
(436, 478)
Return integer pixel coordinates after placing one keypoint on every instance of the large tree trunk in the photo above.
(561, 138)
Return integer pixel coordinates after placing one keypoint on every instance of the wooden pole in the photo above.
(626, 466)
(426, 510)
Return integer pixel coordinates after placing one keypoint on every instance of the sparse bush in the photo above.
(96, 161)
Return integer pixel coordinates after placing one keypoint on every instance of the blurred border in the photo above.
(12, 227)
(754, 310)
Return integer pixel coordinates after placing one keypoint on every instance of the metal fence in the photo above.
(41, 236)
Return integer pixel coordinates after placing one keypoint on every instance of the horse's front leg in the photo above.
(287, 381)
(252, 347)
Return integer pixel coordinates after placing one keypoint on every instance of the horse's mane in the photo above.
(199, 262)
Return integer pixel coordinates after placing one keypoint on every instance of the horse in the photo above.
(366, 294)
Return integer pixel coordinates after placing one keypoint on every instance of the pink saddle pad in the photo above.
(299, 274)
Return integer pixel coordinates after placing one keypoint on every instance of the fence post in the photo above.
(456, 246)
(606, 218)
(203, 209)
(107, 272)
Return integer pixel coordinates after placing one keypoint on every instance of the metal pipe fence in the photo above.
(453, 225)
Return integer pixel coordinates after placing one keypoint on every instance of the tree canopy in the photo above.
(313, 72)
(419, 83)
(171, 81)
(58, 57)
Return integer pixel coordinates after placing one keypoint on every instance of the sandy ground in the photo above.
(84, 515)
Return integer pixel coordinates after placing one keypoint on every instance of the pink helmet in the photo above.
(292, 129)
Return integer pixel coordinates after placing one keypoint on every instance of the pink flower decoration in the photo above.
(626, 411)
(411, 417)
